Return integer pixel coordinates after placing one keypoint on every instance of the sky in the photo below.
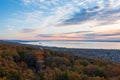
(60, 19)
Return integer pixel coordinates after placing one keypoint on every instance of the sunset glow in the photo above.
(60, 19)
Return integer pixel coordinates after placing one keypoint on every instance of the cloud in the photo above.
(27, 1)
(45, 35)
(84, 35)
(70, 35)
(105, 12)
(28, 30)
(37, 2)
(49, 13)
(99, 35)
(78, 32)
(103, 35)
(58, 37)
(10, 28)
(72, 15)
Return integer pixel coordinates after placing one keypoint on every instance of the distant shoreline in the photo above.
(53, 46)
(62, 40)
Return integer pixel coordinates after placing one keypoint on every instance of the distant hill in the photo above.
(62, 40)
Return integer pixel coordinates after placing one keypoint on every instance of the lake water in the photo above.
(77, 44)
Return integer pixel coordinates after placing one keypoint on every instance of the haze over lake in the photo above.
(77, 44)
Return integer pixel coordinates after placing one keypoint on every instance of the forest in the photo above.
(27, 62)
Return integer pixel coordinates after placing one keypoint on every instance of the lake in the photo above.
(77, 44)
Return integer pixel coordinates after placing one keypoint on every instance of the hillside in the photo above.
(23, 62)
